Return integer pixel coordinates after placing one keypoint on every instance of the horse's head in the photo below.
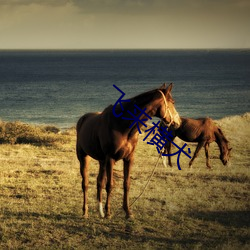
(223, 144)
(166, 110)
(225, 155)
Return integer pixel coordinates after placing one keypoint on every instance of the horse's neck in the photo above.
(147, 102)
(221, 141)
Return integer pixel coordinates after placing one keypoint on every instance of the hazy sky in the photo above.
(91, 24)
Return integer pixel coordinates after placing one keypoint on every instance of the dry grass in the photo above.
(41, 199)
(21, 133)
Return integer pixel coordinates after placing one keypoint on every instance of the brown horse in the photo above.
(107, 137)
(203, 131)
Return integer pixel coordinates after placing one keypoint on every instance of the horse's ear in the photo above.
(163, 86)
(169, 88)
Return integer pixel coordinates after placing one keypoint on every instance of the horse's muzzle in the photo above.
(176, 124)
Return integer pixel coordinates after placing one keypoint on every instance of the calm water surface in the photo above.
(57, 87)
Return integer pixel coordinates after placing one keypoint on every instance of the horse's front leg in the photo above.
(110, 183)
(207, 155)
(100, 185)
(165, 158)
(168, 147)
(167, 150)
(197, 150)
(126, 185)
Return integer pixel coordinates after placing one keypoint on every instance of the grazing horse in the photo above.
(107, 137)
(203, 131)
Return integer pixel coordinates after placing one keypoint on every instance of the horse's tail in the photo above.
(83, 118)
(79, 124)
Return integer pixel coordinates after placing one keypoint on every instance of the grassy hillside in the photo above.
(41, 198)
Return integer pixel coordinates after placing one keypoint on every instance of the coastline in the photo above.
(72, 126)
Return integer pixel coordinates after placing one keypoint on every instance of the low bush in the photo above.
(22, 133)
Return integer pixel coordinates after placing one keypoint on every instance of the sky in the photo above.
(124, 24)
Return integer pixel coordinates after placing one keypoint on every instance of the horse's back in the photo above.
(204, 123)
(195, 130)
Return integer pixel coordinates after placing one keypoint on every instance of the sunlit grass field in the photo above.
(41, 197)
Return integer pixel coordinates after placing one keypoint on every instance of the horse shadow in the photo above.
(94, 229)
(236, 219)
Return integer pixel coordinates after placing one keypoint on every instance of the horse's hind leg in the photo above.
(84, 169)
(109, 162)
(100, 185)
(207, 155)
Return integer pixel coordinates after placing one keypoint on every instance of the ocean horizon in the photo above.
(59, 86)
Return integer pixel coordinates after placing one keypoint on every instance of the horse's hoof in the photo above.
(129, 216)
(108, 216)
(102, 215)
(85, 216)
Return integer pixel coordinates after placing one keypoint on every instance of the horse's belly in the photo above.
(95, 154)
(124, 152)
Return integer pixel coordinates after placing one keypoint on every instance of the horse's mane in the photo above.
(221, 136)
(149, 95)
(142, 98)
(146, 96)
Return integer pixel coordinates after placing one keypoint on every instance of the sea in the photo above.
(57, 87)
